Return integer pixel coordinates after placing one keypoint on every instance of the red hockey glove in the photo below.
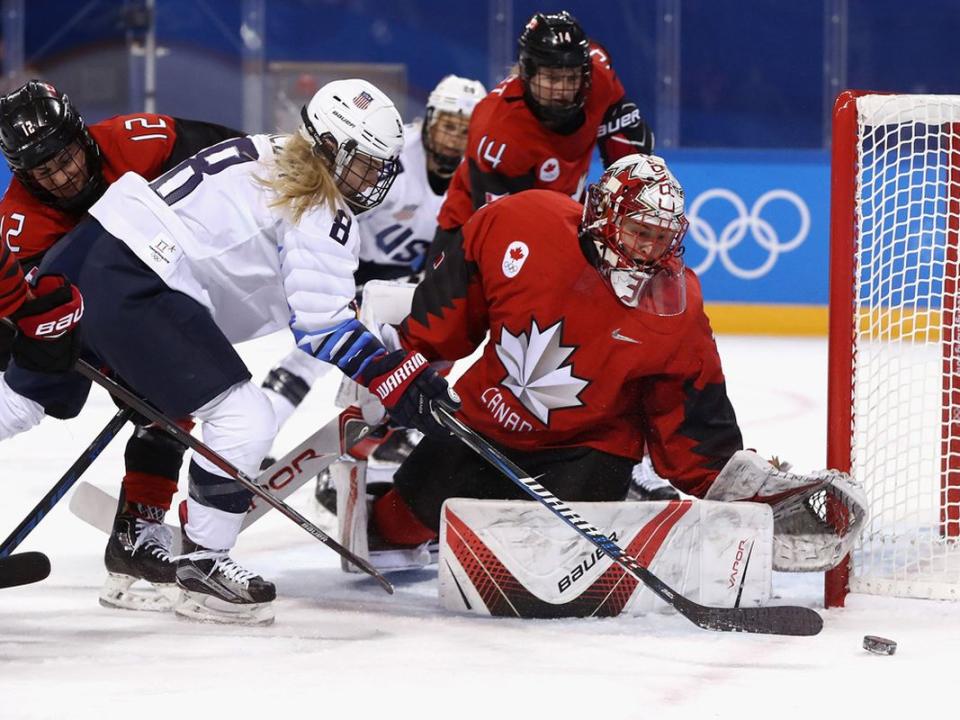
(49, 337)
(408, 387)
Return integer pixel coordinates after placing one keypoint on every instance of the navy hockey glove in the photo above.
(48, 340)
(408, 387)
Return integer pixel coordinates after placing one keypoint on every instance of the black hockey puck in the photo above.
(878, 645)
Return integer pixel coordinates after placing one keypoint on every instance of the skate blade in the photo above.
(398, 560)
(118, 593)
(206, 608)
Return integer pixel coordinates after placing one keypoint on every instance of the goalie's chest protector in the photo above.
(566, 363)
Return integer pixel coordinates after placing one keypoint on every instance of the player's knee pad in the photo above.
(240, 425)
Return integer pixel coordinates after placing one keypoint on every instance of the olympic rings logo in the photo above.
(735, 232)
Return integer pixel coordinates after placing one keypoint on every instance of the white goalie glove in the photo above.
(817, 517)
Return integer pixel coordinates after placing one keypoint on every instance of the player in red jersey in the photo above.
(599, 349)
(61, 167)
(538, 128)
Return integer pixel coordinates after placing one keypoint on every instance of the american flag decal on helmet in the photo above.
(363, 100)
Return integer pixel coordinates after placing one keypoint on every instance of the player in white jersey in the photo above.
(248, 236)
(395, 235)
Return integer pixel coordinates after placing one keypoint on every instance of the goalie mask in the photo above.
(49, 149)
(554, 67)
(444, 130)
(357, 130)
(632, 232)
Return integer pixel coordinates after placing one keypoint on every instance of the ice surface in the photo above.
(343, 649)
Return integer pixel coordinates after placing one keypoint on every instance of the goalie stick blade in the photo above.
(97, 508)
(23, 569)
(775, 620)
(288, 474)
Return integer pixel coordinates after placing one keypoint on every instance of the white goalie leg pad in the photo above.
(516, 558)
(17, 413)
(817, 516)
(353, 513)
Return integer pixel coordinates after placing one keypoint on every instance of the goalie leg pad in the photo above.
(515, 559)
(354, 506)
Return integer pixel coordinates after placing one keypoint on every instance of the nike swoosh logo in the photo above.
(617, 336)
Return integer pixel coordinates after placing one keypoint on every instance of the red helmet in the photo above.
(632, 231)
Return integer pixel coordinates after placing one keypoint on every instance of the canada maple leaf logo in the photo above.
(516, 253)
(537, 370)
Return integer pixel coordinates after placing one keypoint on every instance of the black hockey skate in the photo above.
(645, 484)
(396, 448)
(139, 550)
(217, 589)
(326, 491)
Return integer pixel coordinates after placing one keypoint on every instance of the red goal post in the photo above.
(894, 359)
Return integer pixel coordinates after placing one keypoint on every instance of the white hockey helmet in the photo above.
(357, 128)
(455, 96)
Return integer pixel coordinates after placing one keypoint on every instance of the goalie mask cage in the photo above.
(894, 367)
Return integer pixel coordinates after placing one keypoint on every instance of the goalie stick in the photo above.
(331, 442)
(66, 482)
(23, 569)
(776, 620)
(154, 415)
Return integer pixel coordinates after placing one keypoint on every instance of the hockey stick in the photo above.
(66, 482)
(331, 442)
(148, 411)
(23, 569)
(777, 620)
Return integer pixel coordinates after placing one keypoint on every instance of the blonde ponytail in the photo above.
(300, 179)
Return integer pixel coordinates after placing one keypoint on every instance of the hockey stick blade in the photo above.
(23, 569)
(97, 507)
(775, 620)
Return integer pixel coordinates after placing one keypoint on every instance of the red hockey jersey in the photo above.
(143, 143)
(566, 363)
(509, 150)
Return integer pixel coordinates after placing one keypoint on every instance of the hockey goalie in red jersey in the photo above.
(61, 166)
(538, 128)
(599, 349)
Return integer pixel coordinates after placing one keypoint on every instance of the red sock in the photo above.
(148, 489)
(397, 523)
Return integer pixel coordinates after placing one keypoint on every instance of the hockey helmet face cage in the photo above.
(632, 231)
(49, 149)
(444, 130)
(358, 132)
(554, 67)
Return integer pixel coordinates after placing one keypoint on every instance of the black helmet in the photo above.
(554, 40)
(37, 122)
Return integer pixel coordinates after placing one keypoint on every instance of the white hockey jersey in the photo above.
(207, 229)
(399, 231)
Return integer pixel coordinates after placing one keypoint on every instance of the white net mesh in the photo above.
(906, 434)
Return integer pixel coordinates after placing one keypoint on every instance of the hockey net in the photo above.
(894, 385)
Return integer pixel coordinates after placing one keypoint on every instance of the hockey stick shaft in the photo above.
(66, 482)
(783, 620)
(148, 411)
